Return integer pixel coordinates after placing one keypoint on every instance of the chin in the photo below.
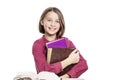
(52, 33)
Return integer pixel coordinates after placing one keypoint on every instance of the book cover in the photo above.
(59, 43)
(59, 54)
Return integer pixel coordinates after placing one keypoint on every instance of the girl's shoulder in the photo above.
(67, 39)
(40, 40)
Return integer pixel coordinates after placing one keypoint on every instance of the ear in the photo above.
(41, 22)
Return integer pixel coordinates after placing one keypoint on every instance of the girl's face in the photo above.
(51, 23)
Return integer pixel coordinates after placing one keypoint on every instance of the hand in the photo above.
(65, 76)
(74, 57)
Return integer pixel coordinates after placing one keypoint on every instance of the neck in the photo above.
(50, 38)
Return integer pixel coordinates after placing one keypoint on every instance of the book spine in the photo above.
(49, 55)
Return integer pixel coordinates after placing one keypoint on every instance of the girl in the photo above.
(52, 26)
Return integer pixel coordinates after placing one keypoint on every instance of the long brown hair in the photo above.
(61, 18)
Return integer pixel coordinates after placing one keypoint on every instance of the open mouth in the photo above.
(52, 29)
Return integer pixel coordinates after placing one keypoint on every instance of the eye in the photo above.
(57, 21)
(49, 20)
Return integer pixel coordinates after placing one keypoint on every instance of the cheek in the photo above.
(58, 28)
(46, 25)
(58, 25)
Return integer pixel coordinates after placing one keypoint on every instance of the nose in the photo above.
(52, 23)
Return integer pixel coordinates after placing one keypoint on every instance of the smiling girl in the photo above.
(52, 26)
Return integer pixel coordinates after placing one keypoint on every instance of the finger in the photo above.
(74, 51)
(77, 55)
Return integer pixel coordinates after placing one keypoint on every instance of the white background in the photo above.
(92, 25)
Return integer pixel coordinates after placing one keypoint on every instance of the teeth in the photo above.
(52, 28)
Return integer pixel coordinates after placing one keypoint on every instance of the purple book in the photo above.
(59, 43)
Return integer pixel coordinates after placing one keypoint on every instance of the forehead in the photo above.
(52, 14)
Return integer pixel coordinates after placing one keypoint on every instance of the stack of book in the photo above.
(57, 50)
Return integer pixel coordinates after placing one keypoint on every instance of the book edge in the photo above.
(49, 55)
(55, 41)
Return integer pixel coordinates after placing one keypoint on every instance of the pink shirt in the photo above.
(39, 53)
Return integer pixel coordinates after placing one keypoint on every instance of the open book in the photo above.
(59, 54)
(44, 75)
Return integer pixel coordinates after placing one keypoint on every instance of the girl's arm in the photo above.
(80, 67)
(73, 58)
(41, 64)
(77, 70)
